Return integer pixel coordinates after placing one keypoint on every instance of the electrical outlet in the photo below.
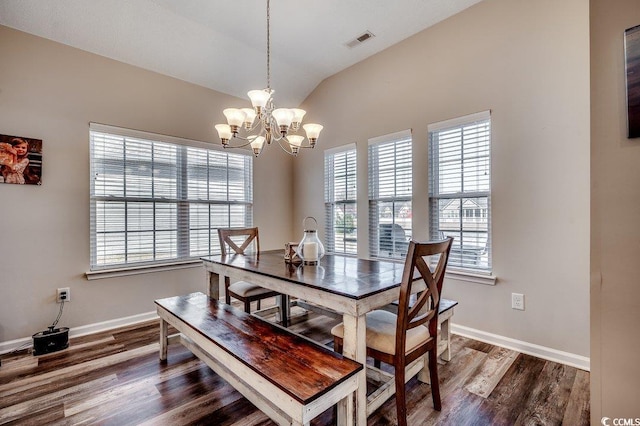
(517, 301)
(63, 294)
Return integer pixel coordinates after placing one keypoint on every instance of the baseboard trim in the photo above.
(550, 354)
(567, 358)
(27, 342)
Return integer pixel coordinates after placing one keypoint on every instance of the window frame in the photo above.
(464, 262)
(399, 237)
(331, 203)
(186, 162)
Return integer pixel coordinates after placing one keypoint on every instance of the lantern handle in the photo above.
(304, 223)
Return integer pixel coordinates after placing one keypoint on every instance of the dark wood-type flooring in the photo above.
(115, 378)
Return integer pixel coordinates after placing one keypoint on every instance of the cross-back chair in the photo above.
(240, 241)
(401, 339)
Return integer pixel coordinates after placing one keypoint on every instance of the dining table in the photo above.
(347, 285)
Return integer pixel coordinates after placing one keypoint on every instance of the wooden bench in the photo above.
(444, 316)
(287, 376)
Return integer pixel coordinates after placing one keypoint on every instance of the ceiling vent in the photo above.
(360, 39)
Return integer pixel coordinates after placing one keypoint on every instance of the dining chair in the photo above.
(241, 241)
(401, 339)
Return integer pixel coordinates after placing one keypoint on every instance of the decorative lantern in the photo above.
(310, 248)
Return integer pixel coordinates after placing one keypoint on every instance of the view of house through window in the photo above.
(340, 191)
(460, 188)
(159, 199)
(390, 194)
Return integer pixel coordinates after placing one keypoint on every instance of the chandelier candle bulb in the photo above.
(235, 118)
(283, 117)
(295, 141)
(259, 98)
(257, 144)
(313, 131)
(224, 132)
(298, 114)
(250, 117)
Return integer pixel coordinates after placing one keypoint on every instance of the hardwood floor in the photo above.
(115, 378)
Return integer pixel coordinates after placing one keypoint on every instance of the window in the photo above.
(390, 190)
(157, 199)
(340, 200)
(460, 188)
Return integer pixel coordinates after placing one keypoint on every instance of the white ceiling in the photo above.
(222, 44)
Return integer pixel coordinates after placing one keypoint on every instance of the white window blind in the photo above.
(158, 199)
(390, 191)
(460, 188)
(340, 191)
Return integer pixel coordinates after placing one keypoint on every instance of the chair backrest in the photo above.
(425, 308)
(238, 240)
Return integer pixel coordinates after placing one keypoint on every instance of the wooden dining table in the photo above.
(347, 285)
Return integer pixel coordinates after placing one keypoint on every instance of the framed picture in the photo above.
(20, 160)
(632, 62)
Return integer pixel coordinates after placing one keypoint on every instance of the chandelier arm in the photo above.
(241, 145)
(280, 138)
(277, 136)
(283, 148)
(255, 126)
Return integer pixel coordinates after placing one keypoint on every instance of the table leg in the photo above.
(214, 285)
(445, 336)
(423, 374)
(164, 331)
(354, 346)
(284, 309)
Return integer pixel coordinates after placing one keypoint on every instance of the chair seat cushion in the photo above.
(381, 332)
(246, 289)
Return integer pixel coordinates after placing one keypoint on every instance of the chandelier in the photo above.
(266, 123)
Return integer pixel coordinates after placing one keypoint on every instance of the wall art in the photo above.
(20, 160)
(632, 58)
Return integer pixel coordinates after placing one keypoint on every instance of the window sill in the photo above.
(471, 276)
(123, 272)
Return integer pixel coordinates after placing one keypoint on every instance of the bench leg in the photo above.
(345, 414)
(164, 331)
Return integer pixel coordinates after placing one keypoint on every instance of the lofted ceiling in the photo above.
(221, 44)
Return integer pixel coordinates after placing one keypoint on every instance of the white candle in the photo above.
(310, 251)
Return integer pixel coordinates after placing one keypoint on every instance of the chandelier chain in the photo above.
(268, 45)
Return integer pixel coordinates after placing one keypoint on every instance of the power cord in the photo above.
(52, 326)
(18, 349)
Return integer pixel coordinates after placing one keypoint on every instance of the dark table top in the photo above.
(342, 275)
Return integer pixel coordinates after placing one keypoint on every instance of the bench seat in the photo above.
(287, 376)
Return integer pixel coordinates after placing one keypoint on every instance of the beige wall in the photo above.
(615, 212)
(528, 62)
(51, 92)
